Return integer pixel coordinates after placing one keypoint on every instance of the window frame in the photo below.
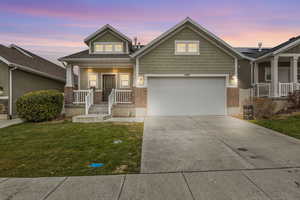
(120, 80)
(108, 43)
(186, 42)
(97, 79)
(266, 75)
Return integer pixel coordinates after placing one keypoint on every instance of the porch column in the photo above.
(69, 87)
(255, 72)
(274, 76)
(69, 76)
(294, 69)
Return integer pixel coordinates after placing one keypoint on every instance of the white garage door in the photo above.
(186, 96)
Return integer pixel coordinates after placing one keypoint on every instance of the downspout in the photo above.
(11, 68)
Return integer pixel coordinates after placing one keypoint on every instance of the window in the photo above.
(187, 47)
(108, 47)
(92, 80)
(267, 73)
(124, 81)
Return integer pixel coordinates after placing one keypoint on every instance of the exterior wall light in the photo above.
(140, 80)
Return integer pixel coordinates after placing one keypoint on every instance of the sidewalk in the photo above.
(261, 184)
(6, 123)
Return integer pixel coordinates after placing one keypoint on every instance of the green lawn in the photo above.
(66, 149)
(289, 126)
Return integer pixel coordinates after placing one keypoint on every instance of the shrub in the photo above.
(294, 99)
(40, 106)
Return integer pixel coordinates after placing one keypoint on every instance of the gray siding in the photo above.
(24, 82)
(4, 78)
(244, 74)
(212, 60)
(107, 37)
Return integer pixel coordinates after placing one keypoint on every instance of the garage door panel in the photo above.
(186, 96)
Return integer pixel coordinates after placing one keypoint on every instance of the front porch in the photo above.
(99, 88)
(275, 76)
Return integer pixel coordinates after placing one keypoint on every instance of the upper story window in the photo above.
(108, 47)
(187, 47)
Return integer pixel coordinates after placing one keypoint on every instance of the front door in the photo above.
(109, 83)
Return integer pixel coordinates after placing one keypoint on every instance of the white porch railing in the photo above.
(79, 96)
(262, 89)
(118, 96)
(286, 88)
(123, 96)
(89, 101)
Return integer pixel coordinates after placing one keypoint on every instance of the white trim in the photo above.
(96, 59)
(10, 91)
(109, 73)
(3, 97)
(198, 26)
(184, 75)
(107, 26)
(20, 50)
(5, 61)
(289, 55)
(187, 42)
(120, 81)
(92, 73)
(78, 78)
(109, 52)
(280, 50)
(287, 47)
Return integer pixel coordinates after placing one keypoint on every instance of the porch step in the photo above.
(90, 118)
(99, 109)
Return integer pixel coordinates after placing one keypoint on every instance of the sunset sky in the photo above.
(56, 28)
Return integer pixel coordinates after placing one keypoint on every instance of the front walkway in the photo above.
(6, 123)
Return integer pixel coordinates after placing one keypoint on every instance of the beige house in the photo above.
(185, 71)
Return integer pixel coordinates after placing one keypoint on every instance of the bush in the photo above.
(294, 99)
(40, 106)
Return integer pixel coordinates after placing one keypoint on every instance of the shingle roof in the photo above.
(17, 55)
(254, 53)
(86, 54)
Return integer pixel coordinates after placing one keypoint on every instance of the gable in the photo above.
(162, 58)
(295, 49)
(107, 36)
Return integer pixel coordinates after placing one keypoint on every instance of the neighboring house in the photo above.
(185, 71)
(22, 71)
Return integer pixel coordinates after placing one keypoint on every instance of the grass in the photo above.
(67, 149)
(289, 125)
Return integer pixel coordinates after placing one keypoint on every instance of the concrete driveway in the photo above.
(208, 143)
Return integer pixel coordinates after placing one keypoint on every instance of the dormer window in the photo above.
(108, 47)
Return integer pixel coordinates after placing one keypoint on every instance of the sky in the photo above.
(57, 28)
